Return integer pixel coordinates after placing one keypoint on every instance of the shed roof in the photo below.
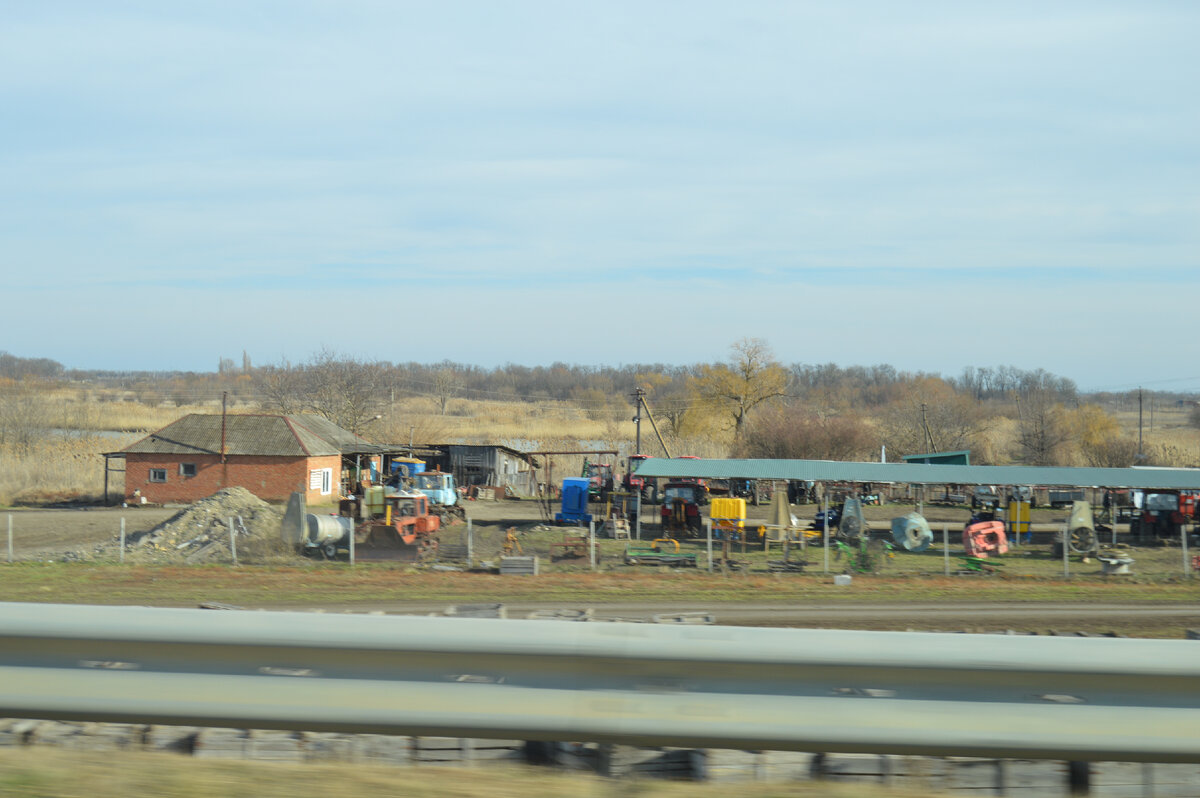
(924, 474)
(254, 434)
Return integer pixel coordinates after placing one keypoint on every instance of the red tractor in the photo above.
(681, 509)
(1164, 514)
(600, 480)
(645, 487)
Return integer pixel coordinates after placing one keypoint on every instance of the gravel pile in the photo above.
(200, 533)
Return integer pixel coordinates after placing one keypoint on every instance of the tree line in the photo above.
(749, 402)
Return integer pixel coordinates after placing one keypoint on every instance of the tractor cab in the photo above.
(1163, 513)
(681, 508)
(438, 486)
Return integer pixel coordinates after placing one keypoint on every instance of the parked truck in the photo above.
(443, 494)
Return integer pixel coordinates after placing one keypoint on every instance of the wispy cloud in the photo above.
(970, 161)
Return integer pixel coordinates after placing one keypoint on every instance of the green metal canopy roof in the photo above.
(922, 474)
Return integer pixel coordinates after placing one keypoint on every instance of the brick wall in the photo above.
(269, 478)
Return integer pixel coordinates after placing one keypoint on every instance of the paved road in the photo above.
(1019, 616)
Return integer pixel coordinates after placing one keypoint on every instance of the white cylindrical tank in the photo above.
(324, 529)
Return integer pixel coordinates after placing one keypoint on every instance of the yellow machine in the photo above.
(728, 517)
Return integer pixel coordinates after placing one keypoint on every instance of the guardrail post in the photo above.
(1079, 778)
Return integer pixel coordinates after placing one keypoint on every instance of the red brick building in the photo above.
(269, 455)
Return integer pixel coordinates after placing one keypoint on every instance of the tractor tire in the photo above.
(329, 551)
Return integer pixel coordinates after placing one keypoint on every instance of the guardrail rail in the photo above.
(639, 684)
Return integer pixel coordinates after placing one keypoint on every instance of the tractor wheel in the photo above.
(329, 551)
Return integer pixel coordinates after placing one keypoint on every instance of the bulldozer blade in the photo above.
(382, 542)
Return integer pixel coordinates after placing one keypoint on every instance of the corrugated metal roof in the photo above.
(272, 435)
(923, 474)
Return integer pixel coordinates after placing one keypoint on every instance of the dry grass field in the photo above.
(63, 462)
(49, 773)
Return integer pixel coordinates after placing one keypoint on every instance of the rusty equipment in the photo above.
(405, 533)
(573, 546)
(512, 545)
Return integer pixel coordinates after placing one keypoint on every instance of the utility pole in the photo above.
(638, 393)
(1139, 454)
(925, 426)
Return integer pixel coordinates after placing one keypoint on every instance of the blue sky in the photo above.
(931, 184)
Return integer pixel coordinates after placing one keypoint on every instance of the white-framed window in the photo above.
(187, 470)
(321, 479)
(158, 475)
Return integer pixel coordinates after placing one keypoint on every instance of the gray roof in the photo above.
(271, 435)
(923, 474)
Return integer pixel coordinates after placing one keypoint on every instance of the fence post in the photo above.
(10, 542)
(470, 543)
(946, 547)
(592, 544)
(122, 540)
(1066, 547)
(1187, 563)
(825, 545)
(232, 541)
(708, 539)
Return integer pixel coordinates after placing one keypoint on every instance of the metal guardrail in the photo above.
(640, 684)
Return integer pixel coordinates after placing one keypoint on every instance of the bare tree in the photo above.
(1043, 430)
(752, 376)
(791, 433)
(346, 391)
(25, 419)
(445, 387)
(932, 417)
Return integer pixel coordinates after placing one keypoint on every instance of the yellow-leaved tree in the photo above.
(751, 377)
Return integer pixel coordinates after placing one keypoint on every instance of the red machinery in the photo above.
(984, 539)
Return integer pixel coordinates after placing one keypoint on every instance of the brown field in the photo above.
(47, 773)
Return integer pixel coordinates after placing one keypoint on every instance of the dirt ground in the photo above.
(43, 533)
(47, 534)
(53, 534)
